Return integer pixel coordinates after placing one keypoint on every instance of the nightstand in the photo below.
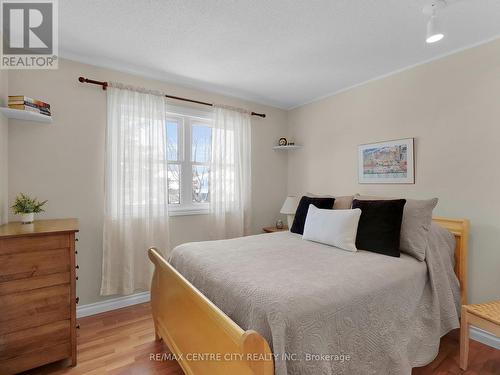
(274, 229)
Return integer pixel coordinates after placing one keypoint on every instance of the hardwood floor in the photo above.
(121, 342)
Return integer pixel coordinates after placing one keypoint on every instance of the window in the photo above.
(189, 152)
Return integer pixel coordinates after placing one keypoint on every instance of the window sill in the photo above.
(188, 211)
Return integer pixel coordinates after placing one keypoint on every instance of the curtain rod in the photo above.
(105, 86)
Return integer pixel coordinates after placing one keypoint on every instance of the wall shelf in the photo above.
(293, 147)
(20, 114)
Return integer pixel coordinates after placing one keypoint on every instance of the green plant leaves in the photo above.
(26, 205)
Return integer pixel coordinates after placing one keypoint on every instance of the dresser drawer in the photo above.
(29, 340)
(37, 294)
(35, 282)
(24, 265)
(34, 359)
(34, 308)
(34, 243)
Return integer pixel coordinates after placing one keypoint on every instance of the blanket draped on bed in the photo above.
(328, 311)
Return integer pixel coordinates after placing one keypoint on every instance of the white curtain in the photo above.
(230, 173)
(136, 196)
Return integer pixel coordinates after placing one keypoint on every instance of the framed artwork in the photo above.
(390, 162)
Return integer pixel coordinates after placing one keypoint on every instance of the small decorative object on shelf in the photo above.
(282, 142)
(279, 224)
(286, 144)
(27, 207)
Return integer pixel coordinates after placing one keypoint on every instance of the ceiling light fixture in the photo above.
(434, 30)
(434, 26)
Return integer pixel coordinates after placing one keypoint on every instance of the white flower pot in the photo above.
(27, 218)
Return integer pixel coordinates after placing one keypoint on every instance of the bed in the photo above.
(220, 306)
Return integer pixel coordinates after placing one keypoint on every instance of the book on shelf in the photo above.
(25, 103)
(29, 108)
(20, 99)
(29, 105)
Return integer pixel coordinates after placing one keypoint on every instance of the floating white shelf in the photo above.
(292, 147)
(19, 114)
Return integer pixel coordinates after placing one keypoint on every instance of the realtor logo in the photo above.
(29, 34)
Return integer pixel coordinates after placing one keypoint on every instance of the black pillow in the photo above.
(379, 226)
(301, 213)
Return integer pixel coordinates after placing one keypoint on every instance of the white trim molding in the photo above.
(111, 304)
(484, 337)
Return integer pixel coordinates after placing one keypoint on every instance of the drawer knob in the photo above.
(77, 299)
(76, 251)
(78, 326)
(77, 278)
(76, 239)
(77, 267)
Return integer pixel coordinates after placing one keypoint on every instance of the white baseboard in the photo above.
(111, 304)
(484, 337)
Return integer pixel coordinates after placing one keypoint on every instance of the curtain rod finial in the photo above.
(81, 79)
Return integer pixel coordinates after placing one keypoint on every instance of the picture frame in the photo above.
(387, 162)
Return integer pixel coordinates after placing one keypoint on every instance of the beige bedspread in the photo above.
(328, 311)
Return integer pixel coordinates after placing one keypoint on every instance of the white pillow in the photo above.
(332, 227)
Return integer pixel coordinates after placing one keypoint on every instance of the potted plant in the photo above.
(27, 207)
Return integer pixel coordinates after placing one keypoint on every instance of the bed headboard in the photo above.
(460, 228)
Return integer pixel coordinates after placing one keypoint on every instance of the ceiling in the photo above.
(278, 52)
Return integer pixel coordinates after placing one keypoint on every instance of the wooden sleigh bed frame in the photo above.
(204, 340)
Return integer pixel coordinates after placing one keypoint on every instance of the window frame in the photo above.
(186, 118)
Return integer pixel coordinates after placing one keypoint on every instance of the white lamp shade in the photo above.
(290, 205)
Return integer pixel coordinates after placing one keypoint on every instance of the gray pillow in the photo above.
(343, 202)
(417, 220)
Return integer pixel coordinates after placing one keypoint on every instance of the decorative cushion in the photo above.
(343, 202)
(332, 227)
(303, 207)
(417, 220)
(379, 226)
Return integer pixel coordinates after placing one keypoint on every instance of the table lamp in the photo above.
(289, 208)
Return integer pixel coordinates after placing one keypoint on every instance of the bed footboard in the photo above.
(203, 339)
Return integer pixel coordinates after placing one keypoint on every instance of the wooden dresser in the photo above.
(37, 294)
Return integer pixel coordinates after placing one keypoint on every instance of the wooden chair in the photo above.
(485, 316)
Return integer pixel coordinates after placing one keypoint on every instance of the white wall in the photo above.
(452, 108)
(4, 133)
(64, 162)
